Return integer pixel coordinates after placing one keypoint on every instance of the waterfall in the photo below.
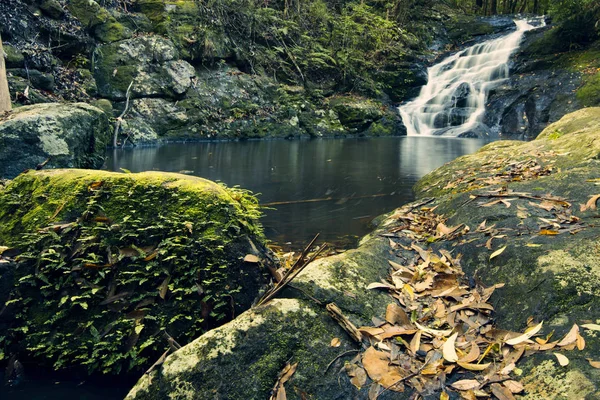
(453, 101)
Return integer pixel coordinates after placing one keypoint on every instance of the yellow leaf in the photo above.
(139, 328)
(562, 359)
(336, 342)
(448, 350)
(433, 332)
(591, 327)
(580, 342)
(473, 367)
(497, 252)
(533, 245)
(548, 232)
(526, 336)
(444, 396)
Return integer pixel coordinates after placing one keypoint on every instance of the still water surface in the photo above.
(332, 186)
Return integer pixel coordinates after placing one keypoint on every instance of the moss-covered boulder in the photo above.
(547, 225)
(366, 116)
(150, 62)
(115, 268)
(69, 135)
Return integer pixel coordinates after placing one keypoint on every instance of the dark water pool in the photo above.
(332, 186)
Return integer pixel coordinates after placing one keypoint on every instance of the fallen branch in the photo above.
(344, 322)
(120, 117)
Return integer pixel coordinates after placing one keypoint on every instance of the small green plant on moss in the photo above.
(104, 293)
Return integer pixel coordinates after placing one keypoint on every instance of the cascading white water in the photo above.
(453, 101)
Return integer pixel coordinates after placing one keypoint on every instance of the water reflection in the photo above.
(333, 186)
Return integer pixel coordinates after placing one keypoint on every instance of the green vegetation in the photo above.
(112, 264)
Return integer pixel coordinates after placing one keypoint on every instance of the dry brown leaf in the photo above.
(164, 286)
(514, 386)
(591, 203)
(473, 367)
(594, 364)
(501, 392)
(465, 384)
(415, 343)
(395, 315)
(379, 285)
(526, 336)
(377, 365)
(374, 391)
(562, 359)
(336, 342)
(580, 342)
(434, 332)
(497, 252)
(358, 376)
(448, 350)
(251, 258)
(570, 337)
(473, 354)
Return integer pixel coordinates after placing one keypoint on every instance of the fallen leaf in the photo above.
(434, 332)
(514, 386)
(251, 258)
(591, 327)
(444, 396)
(473, 367)
(526, 336)
(562, 359)
(591, 203)
(164, 286)
(448, 350)
(336, 342)
(377, 365)
(570, 337)
(580, 342)
(594, 364)
(395, 315)
(497, 252)
(378, 285)
(473, 354)
(501, 392)
(415, 343)
(548, 232)
(358, 376)
(465, 384)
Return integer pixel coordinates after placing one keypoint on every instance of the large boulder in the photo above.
(69, 135)
(151, 62)
(550, 274)
(114, 268)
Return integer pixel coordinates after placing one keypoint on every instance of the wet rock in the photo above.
(150, 62)
(52, 8)
(166, 264)
(71, 135)
(358, 114)
(37, 79)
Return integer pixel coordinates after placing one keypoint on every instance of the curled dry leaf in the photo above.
(465, 384)
(473, 367)
(434, 332)
(448, 350)
(570, 337)
(580, 342)
(251, 258)
(336, 342)
(395, 315)
(526, 336)
(497, 252)
(472, 355)
(591, 203)
(379, 285)
(562, 359)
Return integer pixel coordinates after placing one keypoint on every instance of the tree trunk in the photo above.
(494, 7)
(4, 93)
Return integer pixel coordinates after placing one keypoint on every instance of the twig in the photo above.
(306, 294)
(339, 356)
(344, 322)
(158, 362)
(298, 266)
(120, 117)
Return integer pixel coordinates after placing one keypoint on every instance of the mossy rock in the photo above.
(589, 93)
(365, 116)
(550, 277)
(14, 57)
(88, 12)
(114, 264)
(150, 62)
(68, 135)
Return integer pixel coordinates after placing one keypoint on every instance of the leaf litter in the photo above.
(440, 325)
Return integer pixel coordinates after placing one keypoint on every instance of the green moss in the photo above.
(88, 12)
(589, 93)
(111, 31)
(14, 58)
(123, 235)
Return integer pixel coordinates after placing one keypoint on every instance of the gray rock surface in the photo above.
(70, 135)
